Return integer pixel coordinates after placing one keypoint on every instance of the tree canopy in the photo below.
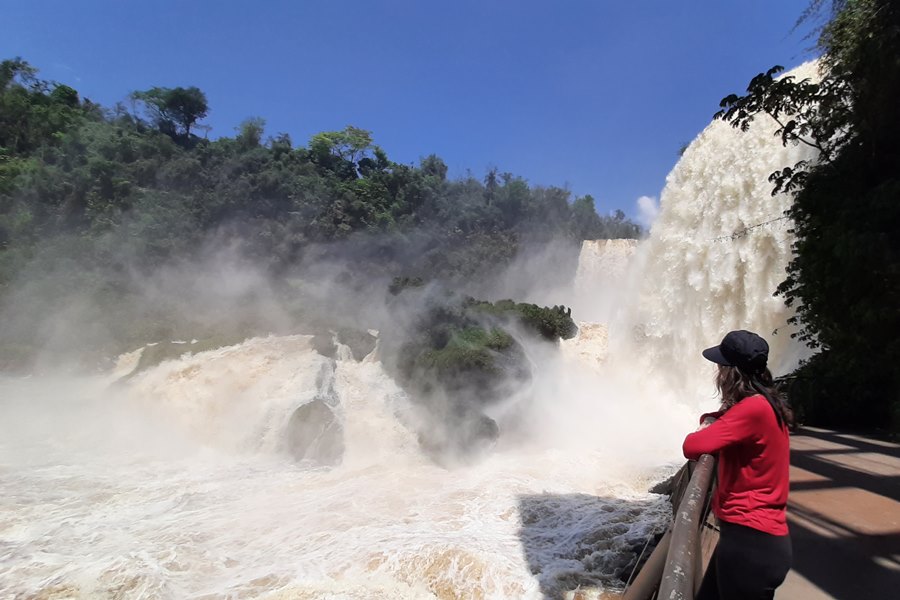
(174, 110)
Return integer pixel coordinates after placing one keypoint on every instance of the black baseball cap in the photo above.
(742, 349)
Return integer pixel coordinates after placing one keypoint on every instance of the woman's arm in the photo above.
(735, 425)
(711, 415)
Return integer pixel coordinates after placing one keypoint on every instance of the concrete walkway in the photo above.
(844, 517)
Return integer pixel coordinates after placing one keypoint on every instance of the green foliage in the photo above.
(433, 166)
(250, 133)
(33, 113)
(459, 349)
(342, 152)
(813, 114)
(844, 279)
(458, 356)
(116, 195)
(464, 353)
(550, 323)
(398, 284)
(172, 108)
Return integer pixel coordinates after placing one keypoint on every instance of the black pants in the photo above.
(747, 564)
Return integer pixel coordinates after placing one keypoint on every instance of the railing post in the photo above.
(678, 575)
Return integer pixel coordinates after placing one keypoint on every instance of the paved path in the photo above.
(844, 516)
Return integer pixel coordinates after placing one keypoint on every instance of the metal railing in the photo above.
(675, 567)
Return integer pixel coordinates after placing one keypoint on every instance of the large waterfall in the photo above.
(713, 260)
(181, 480)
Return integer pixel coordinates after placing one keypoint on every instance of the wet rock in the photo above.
(323, 343)
(315, 434)
(461, 438)
(361, 343)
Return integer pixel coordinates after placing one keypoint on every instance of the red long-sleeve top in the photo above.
(754, 463)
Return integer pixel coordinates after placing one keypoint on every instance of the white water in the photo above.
(605, 268)
(177, 484)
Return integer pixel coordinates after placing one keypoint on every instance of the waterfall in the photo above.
(602, 278)
(712, 262)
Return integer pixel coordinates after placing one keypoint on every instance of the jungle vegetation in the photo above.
(93, 199)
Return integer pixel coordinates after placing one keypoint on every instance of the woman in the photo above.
(751, 439)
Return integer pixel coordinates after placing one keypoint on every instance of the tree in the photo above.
(32, 111)
(250, 133)
(433, 166)
(172, 107)
(490, 185)
(345, 148)
(15, 69)
(585, 222)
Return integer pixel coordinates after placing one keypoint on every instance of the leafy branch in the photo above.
(808, 113)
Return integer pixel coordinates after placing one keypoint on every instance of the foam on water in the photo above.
(174, 485)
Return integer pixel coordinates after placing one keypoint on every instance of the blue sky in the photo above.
(593, 95)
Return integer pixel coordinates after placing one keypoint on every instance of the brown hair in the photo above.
(734, 385)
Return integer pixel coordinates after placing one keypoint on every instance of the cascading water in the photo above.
(601, 280)
(190, 479)
(712, 262)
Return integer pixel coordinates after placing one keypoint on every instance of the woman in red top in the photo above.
(750, 437)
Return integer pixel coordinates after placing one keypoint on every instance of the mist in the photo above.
(223, 423)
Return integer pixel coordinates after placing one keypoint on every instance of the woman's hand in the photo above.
(707, 420)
